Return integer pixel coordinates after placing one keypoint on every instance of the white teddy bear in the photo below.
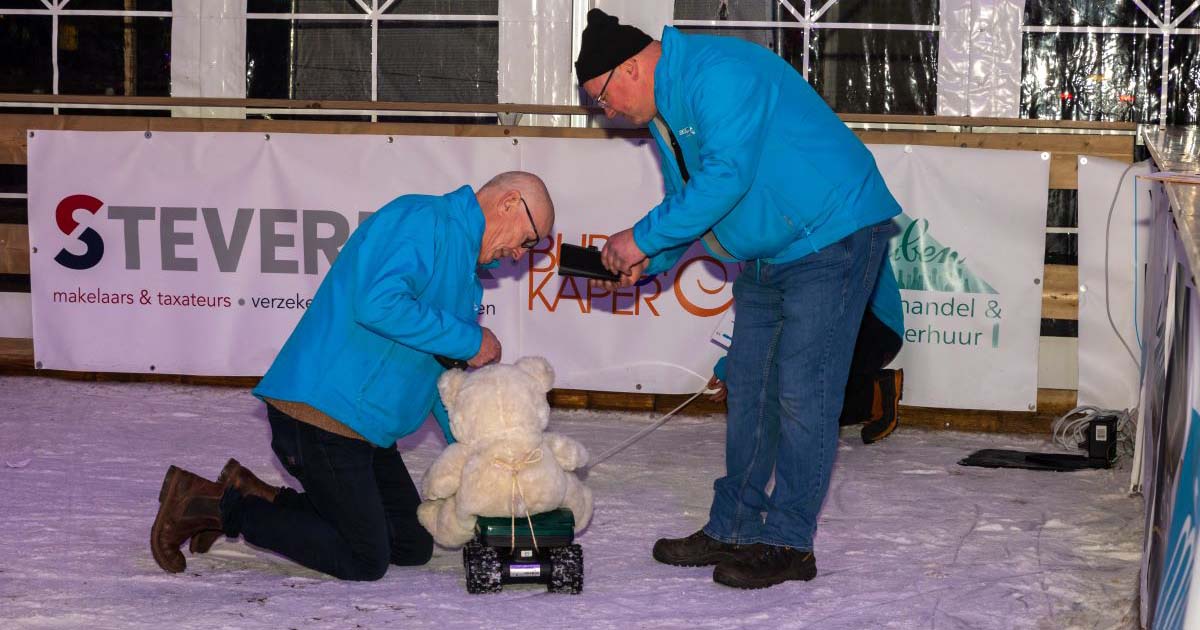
(503, 463)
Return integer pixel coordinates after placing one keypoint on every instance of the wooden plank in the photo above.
(14, 129)
(1060, 292)
(1119, 146)
(1064, 170)
(16, 354)
(569, 398)
(524, 108)
(970, 121)
(13, 147)
(621, 400)
(167, 102)
(14, 248)
(1065, 148)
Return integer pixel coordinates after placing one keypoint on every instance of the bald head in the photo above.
(508, 228)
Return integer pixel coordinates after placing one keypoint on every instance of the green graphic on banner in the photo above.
(921, 263)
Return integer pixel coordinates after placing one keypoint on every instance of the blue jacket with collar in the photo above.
(402, 289)
(774, 173)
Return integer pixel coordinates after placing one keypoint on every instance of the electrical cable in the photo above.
(1069, 430)
(1107, 231)
(644, 432)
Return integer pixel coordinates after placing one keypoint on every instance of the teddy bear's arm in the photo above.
(442, 478)
(569, 453)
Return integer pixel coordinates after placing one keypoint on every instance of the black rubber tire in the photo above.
(482, 565)
(566, 570)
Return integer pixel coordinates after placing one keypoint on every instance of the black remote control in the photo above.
(583, 262)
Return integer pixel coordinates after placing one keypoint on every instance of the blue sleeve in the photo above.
(731, 109)
(719, 369)
(664, 260)
(395, 266)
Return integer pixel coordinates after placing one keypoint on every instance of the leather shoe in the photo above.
(696, 550)
(885, 412)
(238, 477)
(761, 565)
(188, 504)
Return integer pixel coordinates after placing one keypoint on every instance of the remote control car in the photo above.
(503, 552)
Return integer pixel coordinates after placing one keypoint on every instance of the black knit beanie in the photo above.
(607, 44)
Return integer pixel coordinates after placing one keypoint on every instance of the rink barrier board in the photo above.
(1060, 287)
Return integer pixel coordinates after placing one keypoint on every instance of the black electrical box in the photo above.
(1102, 439)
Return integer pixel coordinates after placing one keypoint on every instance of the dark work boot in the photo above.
(760, 565)
(889, 389)
(245, 482)
(188, 504)
(696, 550)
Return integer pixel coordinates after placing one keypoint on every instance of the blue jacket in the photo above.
(774, 173)
(403, 288)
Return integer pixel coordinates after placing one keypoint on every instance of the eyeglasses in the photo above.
(600, 98)
(528, 244)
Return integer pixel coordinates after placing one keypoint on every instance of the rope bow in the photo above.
(532, 457)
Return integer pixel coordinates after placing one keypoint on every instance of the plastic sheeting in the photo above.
(91, 50)
(990, 58)
(419, 61)
(979, 67)
(208, 54)
(1107, 75)
(867, 70)
(535, 55)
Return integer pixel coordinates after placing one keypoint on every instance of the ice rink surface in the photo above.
(907, 539)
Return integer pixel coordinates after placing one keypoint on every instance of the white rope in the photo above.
(532, 457)
(643, 433)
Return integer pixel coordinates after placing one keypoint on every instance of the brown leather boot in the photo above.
(696, 550)
(245, 482)
(760, 566)
(188, 504)
(889, 389)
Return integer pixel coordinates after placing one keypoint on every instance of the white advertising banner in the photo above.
(196, 253)
(968, 260)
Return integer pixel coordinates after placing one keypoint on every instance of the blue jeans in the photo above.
(793, 338)
(358, 512)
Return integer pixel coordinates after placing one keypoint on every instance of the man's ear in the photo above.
(511, 201)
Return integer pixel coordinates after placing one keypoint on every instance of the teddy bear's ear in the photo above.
(448, 385)
(539, 369)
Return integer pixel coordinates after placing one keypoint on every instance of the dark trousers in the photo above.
(875, 347)
(357, 514)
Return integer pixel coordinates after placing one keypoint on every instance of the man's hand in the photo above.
(621, 253)
(627, 280)
(719, 385)
(489, 350)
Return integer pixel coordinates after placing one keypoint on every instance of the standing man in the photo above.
(760, 170)
(358, 373)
